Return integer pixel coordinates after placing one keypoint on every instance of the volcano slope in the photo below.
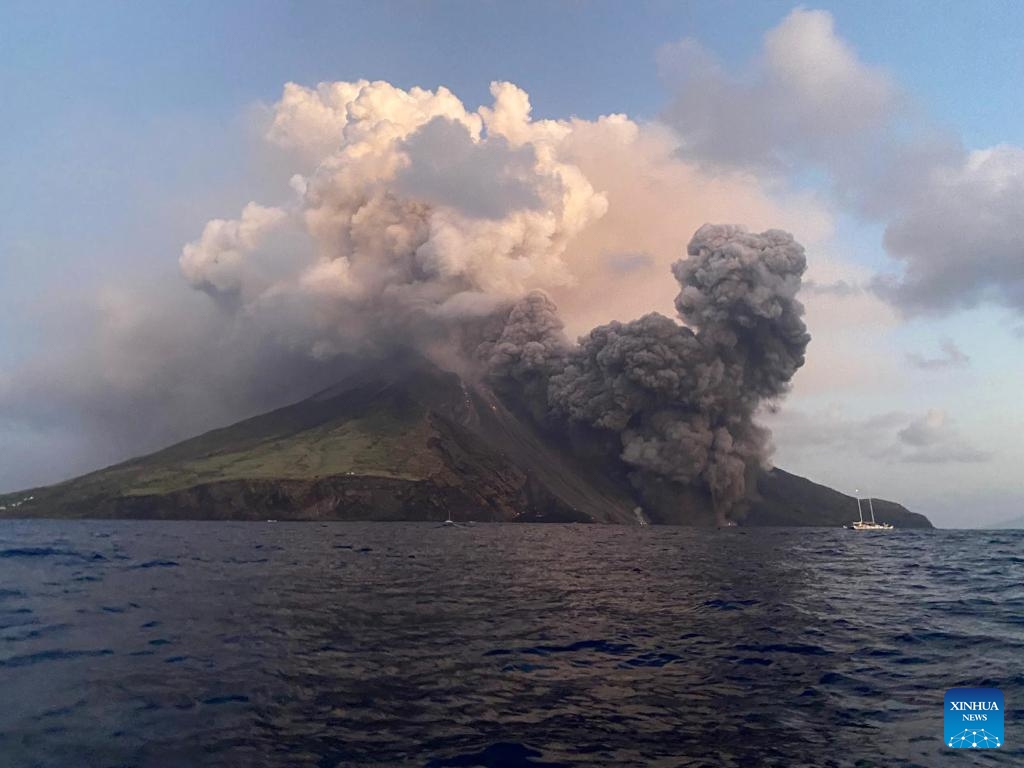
(405, 441)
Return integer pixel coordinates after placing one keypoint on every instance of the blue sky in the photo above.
(127, 126)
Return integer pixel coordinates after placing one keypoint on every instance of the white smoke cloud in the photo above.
(421, 211)
(220, 259)
(417, 208)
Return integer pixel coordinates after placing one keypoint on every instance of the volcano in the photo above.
(407, 440)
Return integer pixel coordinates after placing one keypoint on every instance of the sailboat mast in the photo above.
(872, 508)
(860, 515)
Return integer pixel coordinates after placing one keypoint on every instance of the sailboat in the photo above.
(449, 521)
(864, 525)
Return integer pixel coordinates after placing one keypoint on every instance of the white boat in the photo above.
(449, 521)
(864, 525)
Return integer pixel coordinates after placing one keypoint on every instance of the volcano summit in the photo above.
(519, 423)
(408, 441)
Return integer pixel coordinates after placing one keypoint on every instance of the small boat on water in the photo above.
(449, 521)
(865, 525)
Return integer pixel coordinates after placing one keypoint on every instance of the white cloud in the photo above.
(961, 236)
(924, 438)
(806, 96)
(217, 261)
(808, 102)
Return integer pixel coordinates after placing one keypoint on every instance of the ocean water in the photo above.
(291, 644)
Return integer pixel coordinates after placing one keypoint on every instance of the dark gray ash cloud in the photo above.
(680, 399)
(530, 344)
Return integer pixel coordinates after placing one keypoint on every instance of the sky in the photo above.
(887, 137)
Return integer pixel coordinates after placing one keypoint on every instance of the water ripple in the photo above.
(227, 644)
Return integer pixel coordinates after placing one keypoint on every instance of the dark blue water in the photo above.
(222, 644)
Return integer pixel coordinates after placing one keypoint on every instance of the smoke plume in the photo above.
(680, 398)
(412, 221)
(418, 213)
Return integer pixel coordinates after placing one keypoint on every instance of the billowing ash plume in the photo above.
(417, 214)
(531, 343)
(413, 221)
(739, 291)
(682, 399)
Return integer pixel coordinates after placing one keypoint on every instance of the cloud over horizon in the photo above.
(931, 437)
(808, 103)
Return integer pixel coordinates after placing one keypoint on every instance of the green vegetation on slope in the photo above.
(406, 441)
(375, 446)
(374, 431)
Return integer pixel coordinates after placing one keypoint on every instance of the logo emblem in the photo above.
(974, 718)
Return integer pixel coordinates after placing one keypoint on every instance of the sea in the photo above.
(348, 644)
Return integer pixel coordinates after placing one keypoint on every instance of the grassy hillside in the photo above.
(407, 441)
(410, 441)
